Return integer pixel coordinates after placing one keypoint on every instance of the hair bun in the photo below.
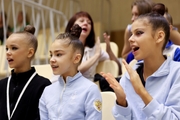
(159, 8)
(76, 31)
(30, 29)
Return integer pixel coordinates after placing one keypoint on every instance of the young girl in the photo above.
(150, 92)
(72, 96)
(21, 91)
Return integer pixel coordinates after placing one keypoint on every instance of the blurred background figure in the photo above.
(7, 27)
(20, 23)
(138, 7)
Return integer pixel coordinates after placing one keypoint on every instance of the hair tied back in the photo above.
(29, 29)
(76, 31)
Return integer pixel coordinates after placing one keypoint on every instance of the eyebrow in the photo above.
(56, 51)
(137, 29)
(12, 45)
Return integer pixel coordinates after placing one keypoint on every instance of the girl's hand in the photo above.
(121, 97)
(134, 78)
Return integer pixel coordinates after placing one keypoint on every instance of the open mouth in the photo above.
(10, 60)
(135, 49)
(84, 29)
(53, 66)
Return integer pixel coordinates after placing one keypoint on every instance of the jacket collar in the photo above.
(69, 79)
(22, 77)
(162, 70)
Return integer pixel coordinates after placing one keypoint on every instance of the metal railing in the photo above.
(55, 22)
(45, 15)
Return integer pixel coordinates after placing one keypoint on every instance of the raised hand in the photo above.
(106, 39)
(121, 97)
(137, 84)
(134, 78)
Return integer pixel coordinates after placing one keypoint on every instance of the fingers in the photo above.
(128, 67)
(106, 36)
(110, 79)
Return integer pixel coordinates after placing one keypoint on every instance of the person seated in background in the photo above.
(138, 7)
(171, 49)
(7, 27)
(20, 22)
(92, 52)
(110, 52)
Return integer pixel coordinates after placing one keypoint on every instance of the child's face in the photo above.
(85, 24)
(61, 59)
(135, 13)
(142, 41)
(17, 52)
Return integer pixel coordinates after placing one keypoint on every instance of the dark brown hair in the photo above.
(72, 38)
(159, 8)
(157, 21)
(90, 40)
(142, 6)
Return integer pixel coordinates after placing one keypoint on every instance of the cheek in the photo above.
(19, 53)
(90, 27)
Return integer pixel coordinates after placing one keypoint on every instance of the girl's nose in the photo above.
(131, 38)
(52, 59)
(133, 18)
(8, 52)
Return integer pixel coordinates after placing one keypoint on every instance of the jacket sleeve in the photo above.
(170, 110)
(122, 113)
(119, 112)
(42, 109)
(93, 104)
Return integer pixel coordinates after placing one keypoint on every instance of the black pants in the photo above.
(104, 85)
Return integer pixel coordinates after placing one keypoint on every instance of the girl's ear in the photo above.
(31, 52)
(77, 58)
(160, 36)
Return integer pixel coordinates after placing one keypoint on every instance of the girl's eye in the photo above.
(14, 48)
(50, 55)
(139, 33)
(6, 49)
(59, 54)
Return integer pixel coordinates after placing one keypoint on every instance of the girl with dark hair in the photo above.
(150, 92)
(72, 96)
(20, 92)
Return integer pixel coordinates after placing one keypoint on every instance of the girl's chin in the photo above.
(137, 58)
(55, 73)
